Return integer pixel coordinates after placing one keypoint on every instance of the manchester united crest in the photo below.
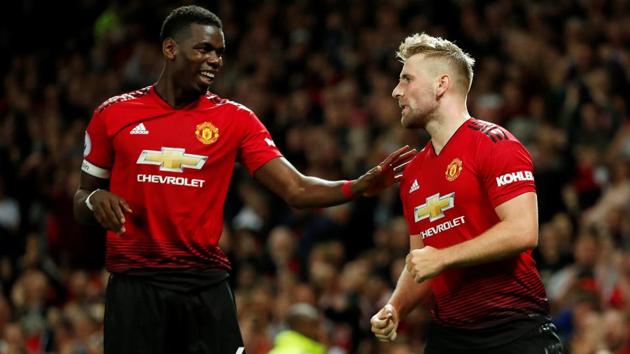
(207, 133)
(453, 170)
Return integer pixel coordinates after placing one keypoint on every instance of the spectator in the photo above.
(304, 334)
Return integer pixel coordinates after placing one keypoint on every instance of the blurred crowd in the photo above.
(319, 74)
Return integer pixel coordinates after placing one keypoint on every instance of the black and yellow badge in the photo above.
(453, 170)
(207, 133)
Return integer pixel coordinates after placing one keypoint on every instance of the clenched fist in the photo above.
(424, 263)
(385, 323)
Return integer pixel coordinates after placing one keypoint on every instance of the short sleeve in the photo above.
(98, 151)
(257, 148)
(507, 170)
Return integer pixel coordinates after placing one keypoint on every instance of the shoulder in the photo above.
(239, 114)
(489, 132)
(123, 100)
(491, 136)
(234, 107)
(497, 148)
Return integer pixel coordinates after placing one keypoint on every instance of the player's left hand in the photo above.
(385, 323)
(424, 263)
(385, 173)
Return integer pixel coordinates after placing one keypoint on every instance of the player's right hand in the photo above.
(385, 323)
(109, 210)
(385, 174)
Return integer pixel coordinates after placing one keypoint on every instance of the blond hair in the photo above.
(422, 43)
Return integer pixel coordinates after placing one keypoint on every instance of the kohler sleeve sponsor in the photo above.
(514, 177)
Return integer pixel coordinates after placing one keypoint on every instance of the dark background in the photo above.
(319, 74)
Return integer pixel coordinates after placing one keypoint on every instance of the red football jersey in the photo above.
(173, 167)
(450, 198)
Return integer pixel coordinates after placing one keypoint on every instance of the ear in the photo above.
(442, 85)
(169, 48)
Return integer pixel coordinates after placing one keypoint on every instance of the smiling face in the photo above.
(416, 92)
(197, 57)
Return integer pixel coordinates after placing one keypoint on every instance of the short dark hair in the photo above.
(180, 18)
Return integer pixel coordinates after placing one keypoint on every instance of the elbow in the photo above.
(295, 199)
(533, 243)
(79, 208)
(524, 232)
(530, 240)
(75, 213)
(524, 238)
(75, 207)
(78, 215)
(296, 204)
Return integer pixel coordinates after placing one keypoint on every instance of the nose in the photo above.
(397, 92)
(214, 58)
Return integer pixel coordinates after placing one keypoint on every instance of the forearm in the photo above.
(408, 294)
(316, 192)
(499, 242)
(300, 191)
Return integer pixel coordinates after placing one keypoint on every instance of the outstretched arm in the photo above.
(301, 191)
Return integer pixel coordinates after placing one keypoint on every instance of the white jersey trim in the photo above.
(94, 170)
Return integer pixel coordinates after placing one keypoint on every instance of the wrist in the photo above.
(445, 257)
(88, 202)
(394, 306)
(347, 190)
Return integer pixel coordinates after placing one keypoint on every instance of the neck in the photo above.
(172, 94)
(445, 124)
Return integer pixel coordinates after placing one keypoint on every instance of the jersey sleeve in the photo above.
(98, 151)
(507, 170)
(257, 148)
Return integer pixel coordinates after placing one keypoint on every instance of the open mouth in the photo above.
(207, 76)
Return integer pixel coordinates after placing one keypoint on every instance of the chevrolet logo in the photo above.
(171, 159)
(434, 208)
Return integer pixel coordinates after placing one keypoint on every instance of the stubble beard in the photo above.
(417, 119)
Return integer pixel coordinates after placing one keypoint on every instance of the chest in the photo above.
(177, 141)
(443, 188)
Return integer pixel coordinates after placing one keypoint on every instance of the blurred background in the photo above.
(319, 74)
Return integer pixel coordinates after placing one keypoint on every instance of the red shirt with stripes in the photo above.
(173, 167)
(450, 198)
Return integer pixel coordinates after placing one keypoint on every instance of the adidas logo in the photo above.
(414, 186)
(139, 129)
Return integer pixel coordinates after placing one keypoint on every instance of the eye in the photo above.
(208, 48)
